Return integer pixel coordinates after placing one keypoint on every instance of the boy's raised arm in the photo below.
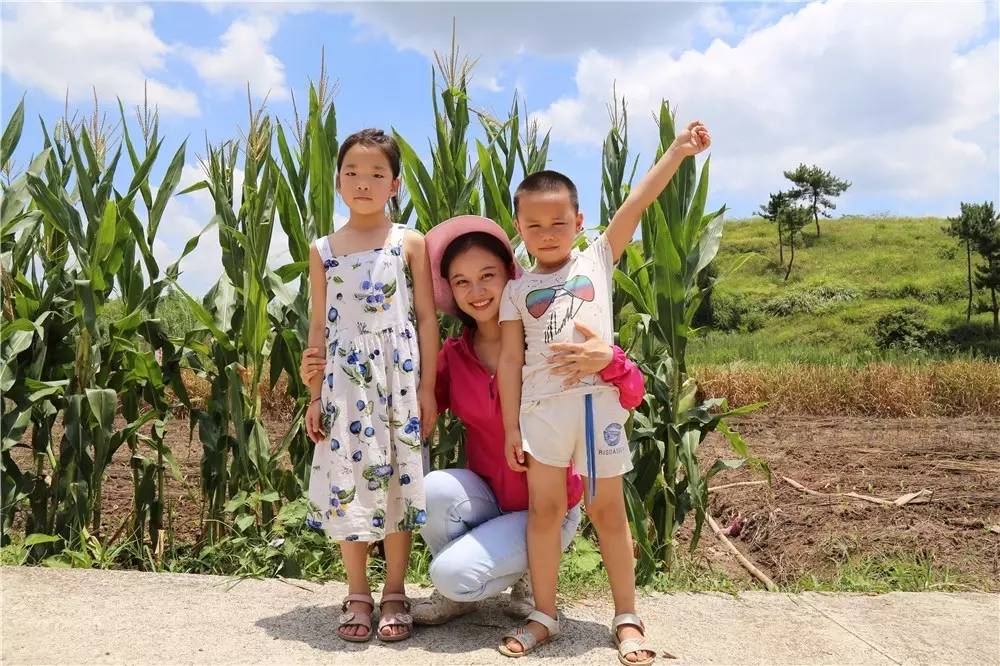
(691, 141)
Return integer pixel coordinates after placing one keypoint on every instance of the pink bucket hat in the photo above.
(442, 235)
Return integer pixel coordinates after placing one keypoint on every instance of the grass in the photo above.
(581, 572)
(843, 281)
(940, 388)
(897, 572)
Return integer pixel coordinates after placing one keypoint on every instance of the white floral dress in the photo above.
(367, 475)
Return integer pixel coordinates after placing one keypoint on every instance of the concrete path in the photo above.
(116, 617)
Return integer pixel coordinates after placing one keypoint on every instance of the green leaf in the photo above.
(321, 176)
(207, 320)
(35, 539)
(102, 404)
(200, 185)
(245, 521)
(708, 244)
(239, 500)
(105, 236)
(12, 133)
(632, 289)
(169, 183)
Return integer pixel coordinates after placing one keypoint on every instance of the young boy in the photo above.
(547, 426)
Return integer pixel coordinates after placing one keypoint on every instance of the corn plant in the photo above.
(449, 188)
(304, 198)
(241, 472)
(679, 240)
(507, 148)
(66, 250)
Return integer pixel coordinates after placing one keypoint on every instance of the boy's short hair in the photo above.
(547, 181)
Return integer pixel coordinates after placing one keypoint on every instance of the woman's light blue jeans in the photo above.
(478, 551)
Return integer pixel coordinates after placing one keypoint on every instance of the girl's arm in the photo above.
(509, 379)
(317, 328)
(428, 335)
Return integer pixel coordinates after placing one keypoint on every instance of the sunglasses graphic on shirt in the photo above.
(539, 300)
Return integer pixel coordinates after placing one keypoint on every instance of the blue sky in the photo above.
(900, 98)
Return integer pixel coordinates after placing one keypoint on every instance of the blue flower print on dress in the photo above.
(331, 314)
(360, 374)
(356, 456)
(378, 475)
(404, 479)
(413, 517)
(340, 499)
(329, 417)
(378, 519)
(330, 263)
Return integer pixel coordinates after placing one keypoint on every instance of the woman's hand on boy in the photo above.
(313, 365)
(577, 360)
(693, 139)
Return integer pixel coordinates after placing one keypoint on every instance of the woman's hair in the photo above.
(375, 138)
(466, 242)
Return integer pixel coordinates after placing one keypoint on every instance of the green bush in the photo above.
(904, 329)
(727, 311)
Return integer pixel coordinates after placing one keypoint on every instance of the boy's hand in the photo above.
(514, 453)
(428, 411)
(693, 139)
(314, 428)
(313, 364)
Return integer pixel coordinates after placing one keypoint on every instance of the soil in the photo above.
(788, 534)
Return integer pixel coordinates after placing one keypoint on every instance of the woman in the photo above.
(477, 517)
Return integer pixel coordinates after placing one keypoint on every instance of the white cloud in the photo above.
(67, 48)
(888, 96)
(243, 56)
(498, 32)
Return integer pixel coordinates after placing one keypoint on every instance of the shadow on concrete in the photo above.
(316, 626)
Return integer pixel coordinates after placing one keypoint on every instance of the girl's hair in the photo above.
(375, 138)
(466, 242)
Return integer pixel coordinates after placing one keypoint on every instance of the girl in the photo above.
(476, 517)
(373, 316)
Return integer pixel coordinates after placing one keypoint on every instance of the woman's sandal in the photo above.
(526, 638)
(630, 645)
(394, 619)
(353, 618)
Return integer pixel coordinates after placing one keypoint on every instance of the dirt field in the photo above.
(789, 533)
(786, 532)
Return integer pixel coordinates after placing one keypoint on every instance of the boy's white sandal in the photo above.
(630, 645)
(526, 638)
